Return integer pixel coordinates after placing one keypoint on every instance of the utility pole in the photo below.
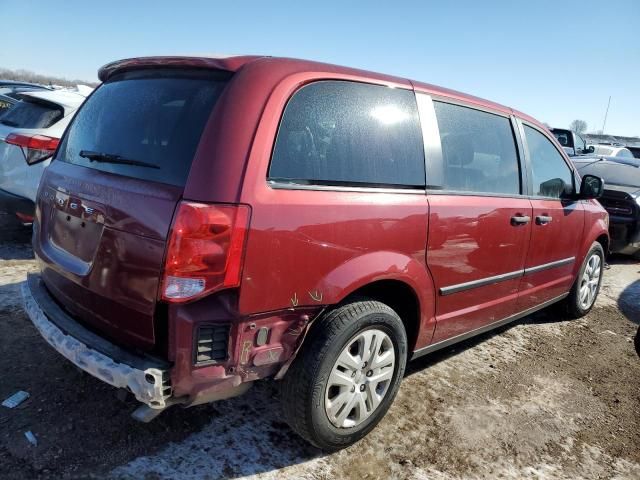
(605, 114)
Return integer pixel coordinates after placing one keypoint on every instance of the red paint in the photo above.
(471, 238)
(305, 250)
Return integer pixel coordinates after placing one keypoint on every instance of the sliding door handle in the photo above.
(520, 220)
(543, 219)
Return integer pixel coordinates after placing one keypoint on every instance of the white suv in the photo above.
(29, 135)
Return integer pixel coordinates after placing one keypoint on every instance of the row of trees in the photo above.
(31, 77)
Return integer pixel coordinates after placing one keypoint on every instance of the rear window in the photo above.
(347, 133)
(32, 114)
(152, 118)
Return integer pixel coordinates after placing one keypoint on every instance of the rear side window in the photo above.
(478, 151)
(152, 118)
(551, 175)
(348, 133)
(32, 114)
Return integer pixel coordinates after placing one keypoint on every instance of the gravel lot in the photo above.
(542, 398)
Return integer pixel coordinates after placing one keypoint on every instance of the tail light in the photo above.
(36, 147)
(205, 250)
(24, 218)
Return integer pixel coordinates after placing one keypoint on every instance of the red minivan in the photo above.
(208, 222)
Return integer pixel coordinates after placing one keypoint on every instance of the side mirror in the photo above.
(590, 149)
(591, 187)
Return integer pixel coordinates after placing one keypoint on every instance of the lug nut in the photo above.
(369, 373)
(353, 389)
(362, 387)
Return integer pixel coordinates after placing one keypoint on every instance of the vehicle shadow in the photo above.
(629, 299)
(552, 314)
(15, 239)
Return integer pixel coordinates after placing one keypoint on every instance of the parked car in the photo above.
(621, 198)
(29, 134)
(572, 142)
(255, 217)
(612, 151)
(13, 88)
(10, 93)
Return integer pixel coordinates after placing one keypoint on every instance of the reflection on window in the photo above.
(478, 151)
(551, 175)
(336, 132)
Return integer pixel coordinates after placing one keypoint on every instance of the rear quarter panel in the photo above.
(315, 247)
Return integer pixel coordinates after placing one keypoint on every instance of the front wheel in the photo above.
(587, 285)
(346, 375)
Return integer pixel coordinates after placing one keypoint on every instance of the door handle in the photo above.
(543, 219)
(520, 220)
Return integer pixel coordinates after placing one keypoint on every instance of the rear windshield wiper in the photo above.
(110, 158)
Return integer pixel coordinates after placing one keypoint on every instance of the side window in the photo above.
(478, 151)
(580, 145)
(348, 133)
(551, 175)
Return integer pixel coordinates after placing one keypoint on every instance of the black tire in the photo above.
(572, 302)
(636, 341)
(303, 387)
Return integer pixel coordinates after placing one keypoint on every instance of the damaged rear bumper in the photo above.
(146, 377)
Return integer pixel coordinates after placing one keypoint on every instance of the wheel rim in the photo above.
(360, 378)
(590, 281)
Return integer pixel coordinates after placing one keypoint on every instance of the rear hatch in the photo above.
(106, 202)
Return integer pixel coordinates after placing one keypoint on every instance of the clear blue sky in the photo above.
(555, 60)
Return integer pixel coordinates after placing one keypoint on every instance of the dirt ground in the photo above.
(543, 398)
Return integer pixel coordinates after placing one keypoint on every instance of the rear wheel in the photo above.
(346, 375)
(587, 285)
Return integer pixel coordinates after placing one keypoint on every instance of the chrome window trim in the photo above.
(342, 188)
(430, 140)
(481, 282)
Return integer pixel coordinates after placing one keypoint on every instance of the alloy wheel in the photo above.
(590, 281)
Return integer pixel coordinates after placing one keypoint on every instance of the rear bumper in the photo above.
(15, 204)
(147, 378)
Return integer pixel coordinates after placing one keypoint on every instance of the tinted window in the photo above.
(29, 114)
(153, 117)
(5, 104)
(337, 133)
(551, 175)
(563, 138)
(624, 153)
(478, 150)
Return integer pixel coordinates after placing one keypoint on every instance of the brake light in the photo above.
(38, 147)
(24, 218)
(205, 250)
